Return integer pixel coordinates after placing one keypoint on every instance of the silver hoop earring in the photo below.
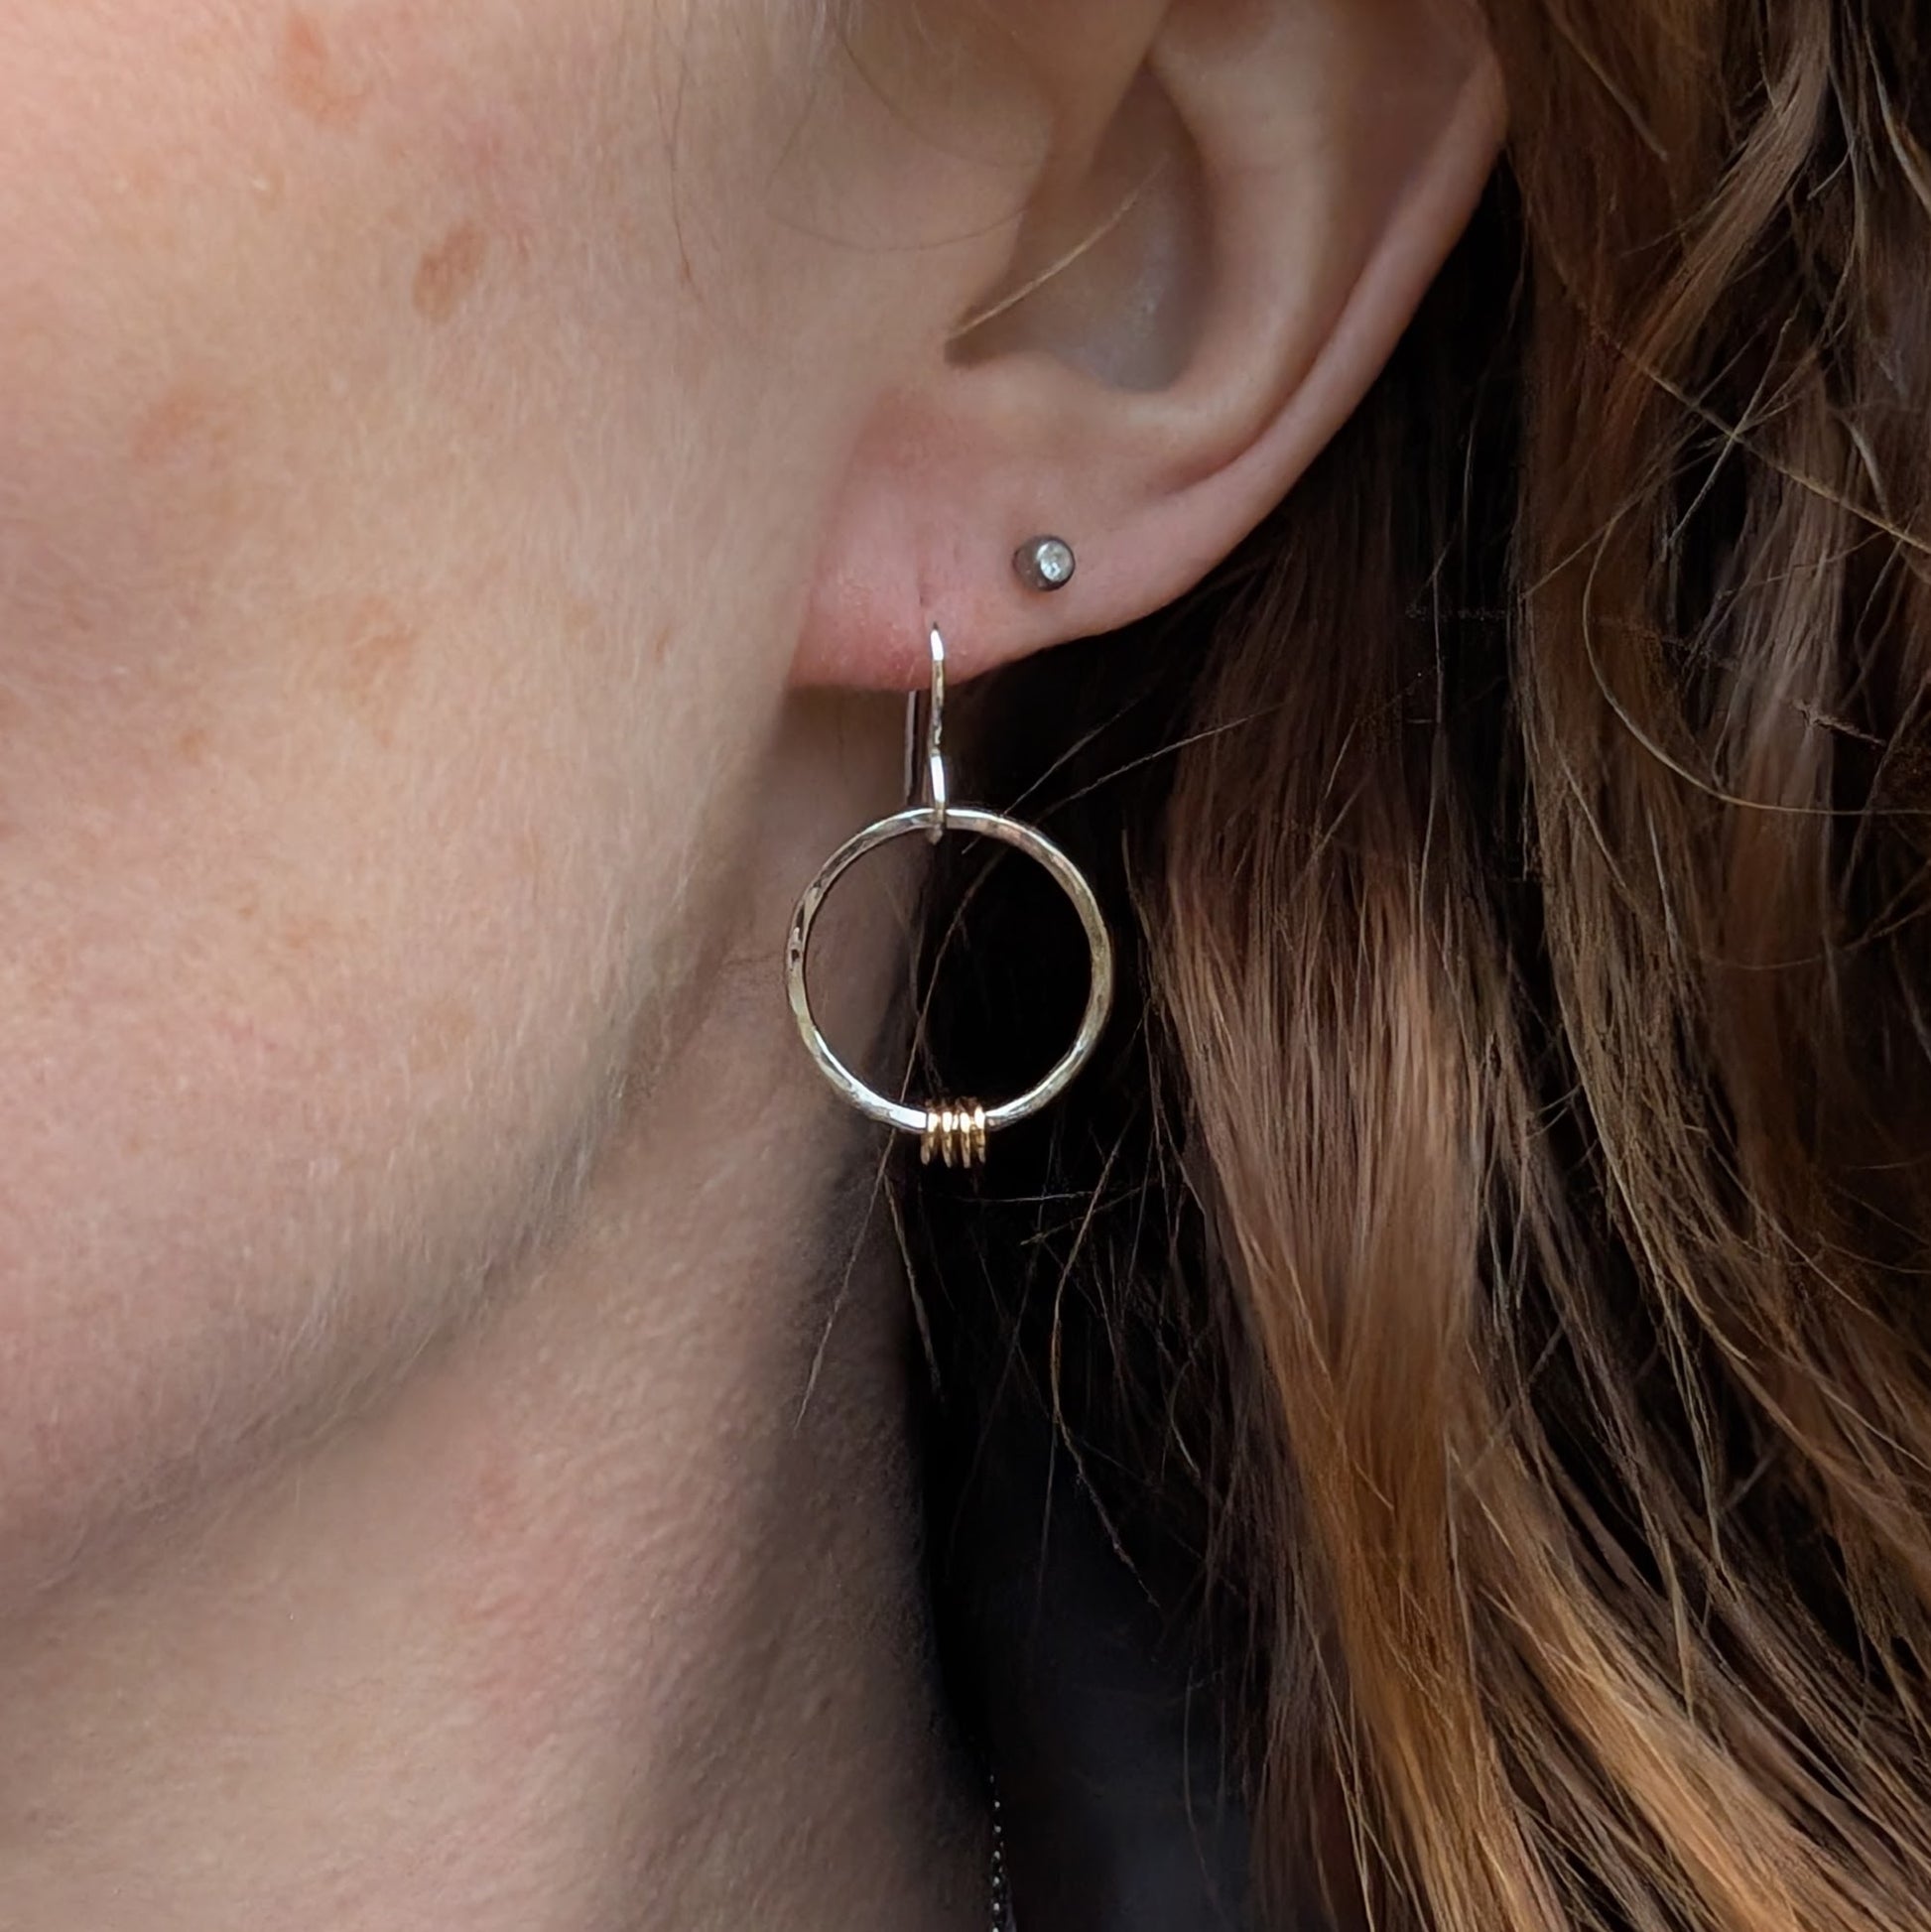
(956, 1131)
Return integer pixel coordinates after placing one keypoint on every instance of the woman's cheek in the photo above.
(225, 234)
(405, 474)
(307, 954)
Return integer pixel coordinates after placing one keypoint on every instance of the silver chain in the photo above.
(1000, 1889)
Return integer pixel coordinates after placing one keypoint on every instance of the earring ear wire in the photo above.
(925, 735)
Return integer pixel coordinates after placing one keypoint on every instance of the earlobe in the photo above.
(1186, 318)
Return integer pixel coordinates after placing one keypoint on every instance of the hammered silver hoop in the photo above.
(955, 1130)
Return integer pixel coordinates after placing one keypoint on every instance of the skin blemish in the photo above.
(449, 270)
(311, 79)
(528, 851)
(303, 934)
(372, 663)
(186, 421)
(589, 631)
(589, 628)
(445, 1030)
(187, 439)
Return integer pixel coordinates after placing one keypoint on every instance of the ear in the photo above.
(1244, 203)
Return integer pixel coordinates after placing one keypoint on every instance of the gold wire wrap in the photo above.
(956, 1132)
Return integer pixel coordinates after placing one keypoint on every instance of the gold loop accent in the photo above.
(957, 1132)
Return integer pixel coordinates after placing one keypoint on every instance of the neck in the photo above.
(610, 1614)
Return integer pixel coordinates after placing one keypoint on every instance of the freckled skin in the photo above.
(312, 81)
(186, 424)
(377, 578)
(449, 270)
(419, 425)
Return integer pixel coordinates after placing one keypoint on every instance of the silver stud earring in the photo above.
(1045, 564)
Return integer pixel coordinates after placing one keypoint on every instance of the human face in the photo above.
(438, 439)
(417, 424)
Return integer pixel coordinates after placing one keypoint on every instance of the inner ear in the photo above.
(1111, 274)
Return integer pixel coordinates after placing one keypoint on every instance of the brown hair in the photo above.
(1533, 975)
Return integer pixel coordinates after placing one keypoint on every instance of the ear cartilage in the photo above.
(1045, 564)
